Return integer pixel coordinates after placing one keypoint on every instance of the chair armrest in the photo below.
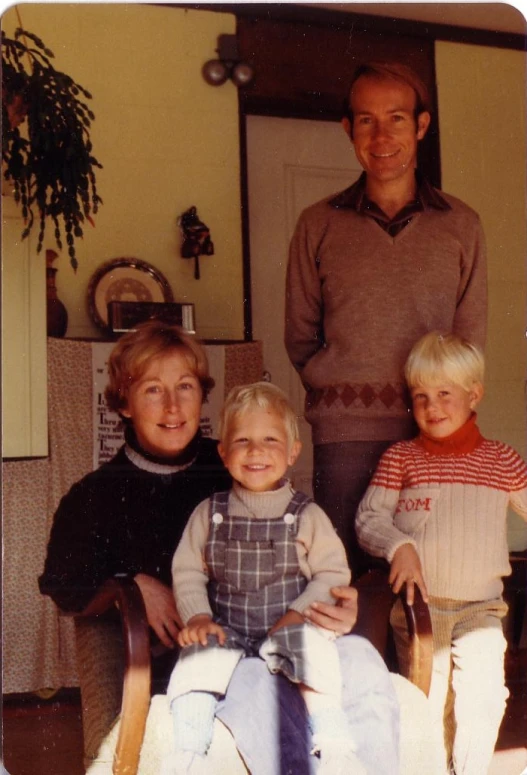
(421, 644)
(376, 600)
(124, 593)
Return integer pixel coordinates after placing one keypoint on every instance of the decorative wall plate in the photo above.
(124, 279)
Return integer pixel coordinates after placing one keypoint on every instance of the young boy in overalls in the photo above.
(250, 561)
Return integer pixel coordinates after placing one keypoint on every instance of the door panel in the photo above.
(291, 163)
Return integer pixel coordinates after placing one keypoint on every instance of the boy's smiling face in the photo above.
(441, 409)
(257, 450)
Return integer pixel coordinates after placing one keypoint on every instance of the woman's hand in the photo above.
(161, 610)
(339, 618)
(406, 569)
(198, 629)
(290, 617)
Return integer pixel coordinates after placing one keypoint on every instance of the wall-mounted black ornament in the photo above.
(196, 238)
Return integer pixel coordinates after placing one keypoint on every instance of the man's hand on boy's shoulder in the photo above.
(406, 569)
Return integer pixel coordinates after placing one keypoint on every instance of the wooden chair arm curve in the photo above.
(376, 600)
(124, 593)
(421, 645)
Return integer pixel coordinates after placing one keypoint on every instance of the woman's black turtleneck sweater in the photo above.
(126, 517)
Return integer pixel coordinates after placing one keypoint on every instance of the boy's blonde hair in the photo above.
(258, 395)
(436, 357)
(133, 353)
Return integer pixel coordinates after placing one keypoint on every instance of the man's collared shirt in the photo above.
(355, 198)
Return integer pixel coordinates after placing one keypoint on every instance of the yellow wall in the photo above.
(483, 159)
(167, 141)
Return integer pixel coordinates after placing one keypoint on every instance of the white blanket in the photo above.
(418, 754)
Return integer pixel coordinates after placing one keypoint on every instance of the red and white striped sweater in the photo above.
(449, 499)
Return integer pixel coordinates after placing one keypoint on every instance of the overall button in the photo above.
(217, 518)
(289, 519)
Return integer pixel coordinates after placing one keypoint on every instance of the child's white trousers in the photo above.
(468, 693)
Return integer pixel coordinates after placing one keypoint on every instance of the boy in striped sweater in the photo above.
(436, 509)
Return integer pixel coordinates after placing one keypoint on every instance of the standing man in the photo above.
(370, 271)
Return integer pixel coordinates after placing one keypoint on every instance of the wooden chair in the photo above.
(114, 671)
(375, 602)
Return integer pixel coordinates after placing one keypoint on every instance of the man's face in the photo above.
(385, 132)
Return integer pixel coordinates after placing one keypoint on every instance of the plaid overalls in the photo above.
(253, 566)
(254, 576)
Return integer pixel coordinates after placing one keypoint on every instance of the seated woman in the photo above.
(127, 518)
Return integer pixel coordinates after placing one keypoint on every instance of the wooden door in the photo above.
(291, 164)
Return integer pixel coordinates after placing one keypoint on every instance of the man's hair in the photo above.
(436, 357)
(395, 71)
(133, 353)
(258, 395)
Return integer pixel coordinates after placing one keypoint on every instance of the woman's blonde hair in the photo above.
(133, 353)
(436, 357)
(258, 395)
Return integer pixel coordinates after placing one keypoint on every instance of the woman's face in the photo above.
(164, 405)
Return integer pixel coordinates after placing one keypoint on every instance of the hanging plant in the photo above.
(50, 164)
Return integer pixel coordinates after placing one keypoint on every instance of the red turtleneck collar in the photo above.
(461, 442)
